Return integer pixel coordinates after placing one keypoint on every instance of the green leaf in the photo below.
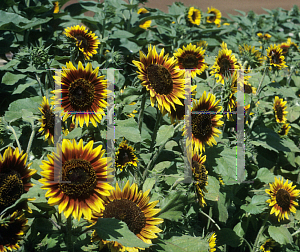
(185, 243)
(148, 184)
(264, 175)
(223, 213)
(158, 168)
(280, 234)
(164, 133)
(77, 132)
(116, 230)
(213, 188)
(121, 34)
(257, 205)
(11, 79)
(22, 87)
(229, 237)
(27, 116)
(128, 129)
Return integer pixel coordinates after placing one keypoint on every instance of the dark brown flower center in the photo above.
(81, 95)
(124, 156)
(212, 18)
(201, 125)
(160, 79)
(49, 120)
(224, 65)
(189, 61)
(279, 112)
(82, 42)
(283, 199)
(127, 211)
(82, 177)
(11, 188)
(275, 57)
(194, 16)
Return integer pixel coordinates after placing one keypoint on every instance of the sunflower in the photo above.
(212, 242)
(200, 177)
(204, 123)
(251, 55)
(147, 23)
(279, 109)
(215, 17)
(125, 156)
(224, 65)
(191, 57)
(284, 129)
(56, 7)
(134, 209)
(276, 57)
(194, 16)
(86, 42)
(268, 245)
(264, 37)
(87, 172)
(286, 46)
(161, 77)
(12, 230)
(14, 176)
(202, 43)
(47, 121)
(82, 94)
(282, 198)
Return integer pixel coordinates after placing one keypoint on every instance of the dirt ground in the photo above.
(225, 6)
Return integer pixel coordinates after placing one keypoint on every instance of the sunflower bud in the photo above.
(39, 55)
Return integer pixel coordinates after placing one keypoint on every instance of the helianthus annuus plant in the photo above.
(276, 58)
(251, 55)
(267, 245)
(225, 64)
(280, 110)
(125, 156)
(215, 17)
(147, 23)
(86, 42)
(191, 57)
(132, 207)
(15, 176)
(284, 130)
(12, 230)
(194, 16)
(161, 78)
(204, 124)
(283, 196)
(82, 94)
(47, 121)
(200, 177)
(76, 178)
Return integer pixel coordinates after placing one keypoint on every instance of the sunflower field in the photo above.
(125, 128)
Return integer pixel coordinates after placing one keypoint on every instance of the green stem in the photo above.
(249, 246)
(69, 242)
(15, 135)
(261, 81)
(297, 232)
(261, 230)
(154, 134)
(141, 114)
(39, 81)
(31, 139)
(211, 219)
(50, 76)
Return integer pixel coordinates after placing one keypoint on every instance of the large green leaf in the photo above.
(213, 188)
(280, 234)
(264, 175)
(116, 230)
(257, 204)
(164, 133)
(11, 79)
(229, 237)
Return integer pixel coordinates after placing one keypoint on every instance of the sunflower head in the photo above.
(12, 229)
(224, 65)
(264, 37)
(268, 245)
(280, 110)
(194, 16)
(212, 242)
(205, 121)
(125, 156)
(86, 42)
(162, 78)
(215, 16)
(276, 58)
(147, 23)
(284, 129)
(251, 55)
(132, 207)
(47, 121)
(191, 57)
(283, 196)
(14, 176)
(82, 94)
(200, 177)
(76, 178)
